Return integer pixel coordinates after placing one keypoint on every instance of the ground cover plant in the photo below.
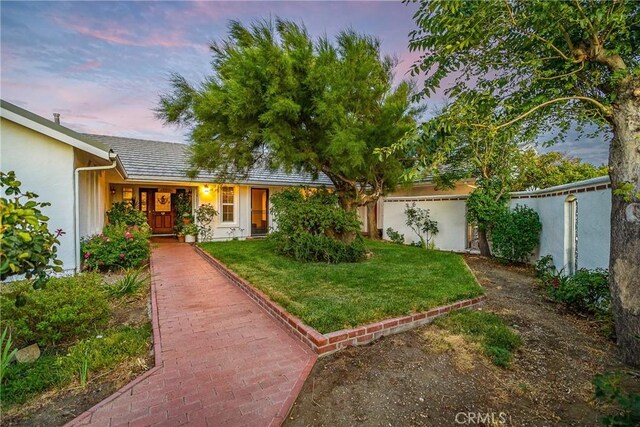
(394, 281)
(497, 340)
(74, 322)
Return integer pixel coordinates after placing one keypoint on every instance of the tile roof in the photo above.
(168, 161)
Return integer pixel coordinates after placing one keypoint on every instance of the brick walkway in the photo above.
(220, 359)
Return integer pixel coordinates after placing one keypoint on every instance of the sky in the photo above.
(103, 65)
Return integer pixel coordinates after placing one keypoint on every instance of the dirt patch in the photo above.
(429, 377)
(58, 407)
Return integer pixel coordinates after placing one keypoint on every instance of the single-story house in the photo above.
(81, 175)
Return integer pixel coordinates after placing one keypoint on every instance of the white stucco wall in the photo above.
(593, 223)
(450, 215)
(44, 166)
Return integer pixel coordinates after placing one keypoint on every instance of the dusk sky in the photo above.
(102, 65)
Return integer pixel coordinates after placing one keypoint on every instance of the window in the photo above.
(127, 195)
(228, 204)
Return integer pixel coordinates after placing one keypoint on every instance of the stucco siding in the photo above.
(45, 167)
(450, 215)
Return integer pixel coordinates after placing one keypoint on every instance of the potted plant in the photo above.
(190, 232)
(186, 218)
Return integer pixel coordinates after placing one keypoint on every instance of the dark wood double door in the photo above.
(158, 206)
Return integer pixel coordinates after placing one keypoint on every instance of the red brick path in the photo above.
(220, 359)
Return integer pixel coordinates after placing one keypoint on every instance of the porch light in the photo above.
(205, 190)
(113, 191)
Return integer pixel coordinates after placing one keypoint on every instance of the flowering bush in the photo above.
(119, 246)
(124, 213)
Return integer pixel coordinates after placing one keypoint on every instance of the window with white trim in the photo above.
(228, 204)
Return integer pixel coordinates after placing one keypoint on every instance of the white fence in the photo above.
(575, 221)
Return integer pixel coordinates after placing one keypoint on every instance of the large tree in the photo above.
(535, 170)
(282, 100)
(554, 64)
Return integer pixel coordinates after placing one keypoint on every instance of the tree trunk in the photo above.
(483, 242)
(624, 261)
(372, 220)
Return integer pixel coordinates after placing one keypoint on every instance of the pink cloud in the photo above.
(85, 66)
(125, 35)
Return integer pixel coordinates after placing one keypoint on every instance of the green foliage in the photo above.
(132, 281)
(609, 390)
(6, 354)
(486, 204)
(587, 291)
(280, 99)
(546, 170)
(395, 236)
(122, 213)
(189, 229)
(498, 341)
(28, 247)
(119, 246)
(516, 233)
(313, 227)
(100, 353)
(182, 203)
(557, 62)
(66, 309)
(627, 191)
(424, 227)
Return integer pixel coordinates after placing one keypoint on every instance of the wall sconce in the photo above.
(113, 191)
(206, 189)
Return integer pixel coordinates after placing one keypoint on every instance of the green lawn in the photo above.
(397, 280)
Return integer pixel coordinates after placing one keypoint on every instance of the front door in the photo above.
(159, 210)
(259, 211)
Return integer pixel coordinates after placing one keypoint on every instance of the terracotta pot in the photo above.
(181, 239)
(186, 221)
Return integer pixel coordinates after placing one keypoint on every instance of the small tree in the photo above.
(204, 216)
(485, 206)
(418, 220)
(28, 248)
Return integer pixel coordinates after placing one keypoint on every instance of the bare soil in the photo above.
(429, 377)
(57, 407)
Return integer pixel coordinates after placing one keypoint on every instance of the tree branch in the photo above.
(564, 75)
(603, 108)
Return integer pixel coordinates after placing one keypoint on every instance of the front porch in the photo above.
(242, 210)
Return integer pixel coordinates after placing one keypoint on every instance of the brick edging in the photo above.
(323, 344)
(85, 417)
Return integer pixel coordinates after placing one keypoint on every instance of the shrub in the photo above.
(395, 236)
(119, 246)
(313, 227)
(586, 291)
(544, 267)
(418, 220)
(498, 341)
(123, 213)
(205, 215)
(516, 234)
(28, 247)
(67, 309)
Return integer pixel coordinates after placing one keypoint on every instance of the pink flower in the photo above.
(128, 235)
(60, 232)
(121, 256)
(87, 255)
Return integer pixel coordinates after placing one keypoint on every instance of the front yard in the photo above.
(396, 280)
